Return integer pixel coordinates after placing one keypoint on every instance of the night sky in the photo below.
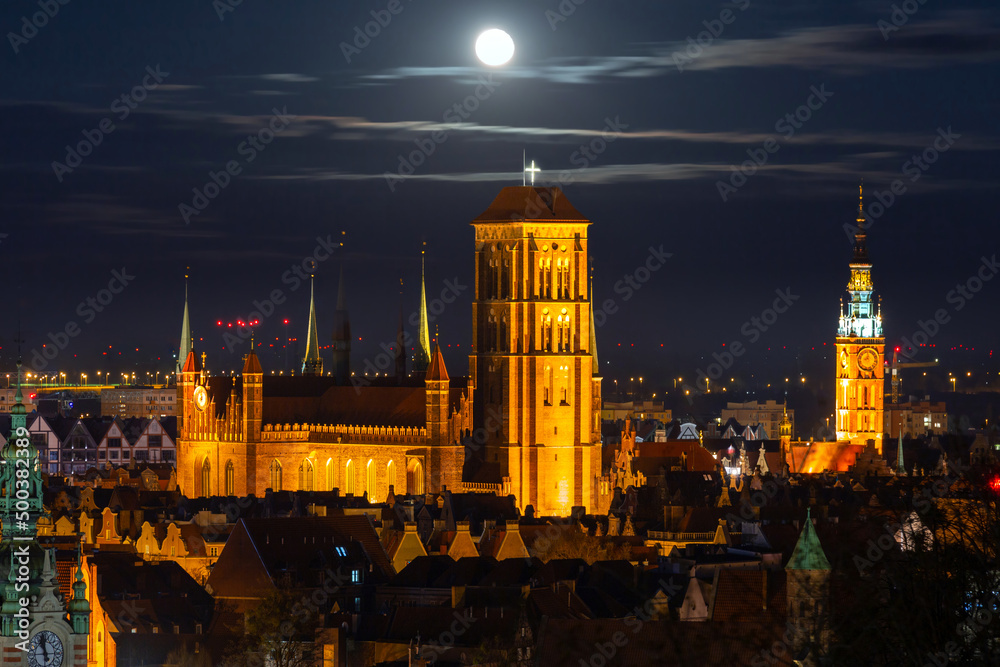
(692, 88)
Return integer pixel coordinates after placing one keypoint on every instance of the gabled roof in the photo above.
(530, 203)
(192, 364)
(252, 364)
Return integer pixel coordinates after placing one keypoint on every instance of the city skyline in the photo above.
(643, 117)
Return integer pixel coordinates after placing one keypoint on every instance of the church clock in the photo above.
(867, 359)
(45, 650)
(200, 398)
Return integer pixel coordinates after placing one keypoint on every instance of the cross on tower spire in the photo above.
(532, 170)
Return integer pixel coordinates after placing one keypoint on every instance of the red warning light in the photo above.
(995, 483)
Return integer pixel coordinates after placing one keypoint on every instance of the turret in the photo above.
(808, 585)
(253, 396)
(437, 389)
(79, 608)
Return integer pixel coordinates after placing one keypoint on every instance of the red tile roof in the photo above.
(530, 203)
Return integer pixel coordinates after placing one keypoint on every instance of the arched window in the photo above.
(230, 478)
(390, 475)
(370, 481)
(546, 331)
(564, 388)
(275, 475)
(562, 278)
(563, 342)
(545, 278)
(415, 478)
(329, 475)
(349, 477)
(306, 476)
(206, 478)
(547, 386)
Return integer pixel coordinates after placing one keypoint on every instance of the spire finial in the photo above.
(861, 201)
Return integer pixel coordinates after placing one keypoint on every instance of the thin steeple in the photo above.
(860, 236)
(900, 468)
(312, 364)
(424, 349)
(185, 344)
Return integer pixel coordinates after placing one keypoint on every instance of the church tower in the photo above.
(533, 364)
(341, 337)
(860, 352)
(808, 593)
(312, 364)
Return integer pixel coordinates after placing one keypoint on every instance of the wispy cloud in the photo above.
(846, 49)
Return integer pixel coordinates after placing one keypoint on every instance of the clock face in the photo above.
(867, 359)
(200, 398)
(45, 650)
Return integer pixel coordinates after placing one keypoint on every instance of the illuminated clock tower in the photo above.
(534, 361)
(860, 352)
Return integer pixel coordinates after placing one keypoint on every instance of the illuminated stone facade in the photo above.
(860, 354)
(533, 363)
(246, 434)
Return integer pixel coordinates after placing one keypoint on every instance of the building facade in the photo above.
(243, 435)
(916, 418)
(534, 362)
(860, 353)
(145, 402)
(769, 414)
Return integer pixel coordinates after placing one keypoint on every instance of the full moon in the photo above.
(494, 47)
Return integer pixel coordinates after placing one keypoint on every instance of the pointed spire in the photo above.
(437, 371)
(860, 236)
(595, 364)
(424, 350)
(808, 553)
(186, 342)
(899, 455)
(313, 363)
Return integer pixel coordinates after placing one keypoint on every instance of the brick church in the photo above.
(529, 411)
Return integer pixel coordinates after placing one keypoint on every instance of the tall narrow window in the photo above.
(230, 479)
(547, 386)
(546, 331)
(206, 478)
(349, 477)
(306, 476)
(390, 475)
(329, 475)
(562, 343)
(275, 475)
(370, 484)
